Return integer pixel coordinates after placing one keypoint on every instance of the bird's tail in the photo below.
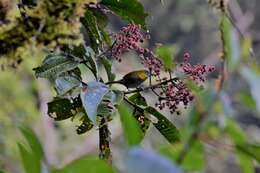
(113, 82)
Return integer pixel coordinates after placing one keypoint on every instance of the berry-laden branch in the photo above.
(171, 92)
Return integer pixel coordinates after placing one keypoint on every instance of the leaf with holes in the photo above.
(165, 127)
(138, 99)
(54, 65)
(62, 108)
(91, 96)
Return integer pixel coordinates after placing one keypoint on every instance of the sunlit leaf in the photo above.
(139, 160)
(54, 65)
(165, 127)
(193, 161)
(130, 10)
(87, 164)
(166, 53)
(91, 96)
(132, 131)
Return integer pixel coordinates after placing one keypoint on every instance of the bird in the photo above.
(132, 79)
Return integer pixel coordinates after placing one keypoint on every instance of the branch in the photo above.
(152, 86)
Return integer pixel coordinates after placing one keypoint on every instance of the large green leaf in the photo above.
(132, 131)
(139, 160)
(245, 162)
(91, 96)
(165, 127)
(139, 114)
(32, 156)
(56, 64)
(130, 10)
(87, 164)
(33, 141)
(31, 163)
(193, 161)
(166, 54)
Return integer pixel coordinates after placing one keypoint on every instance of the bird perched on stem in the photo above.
(132, 79)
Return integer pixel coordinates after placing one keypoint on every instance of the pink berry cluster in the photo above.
(196, 72)
(175, 92)
(129, 38)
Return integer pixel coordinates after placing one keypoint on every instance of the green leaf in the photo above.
(54, 65)
(132, 131)
(33, 141)
(130, 10)
(166, 54)
(60, 109)
(251, 150)
(138, 99)
(246, 99)
(142, 120)
(235, 133)
(85, 126)
(31, 158)
(253, 79)
(101, 17)
(230, 43)
(31, 163)
(193, 161)
(140, 115)
(87, 164)
(165, 127)
(91, 96)
(90, 57)
(245, 162)
(108, 67)
(65, 84)
(90, 23)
